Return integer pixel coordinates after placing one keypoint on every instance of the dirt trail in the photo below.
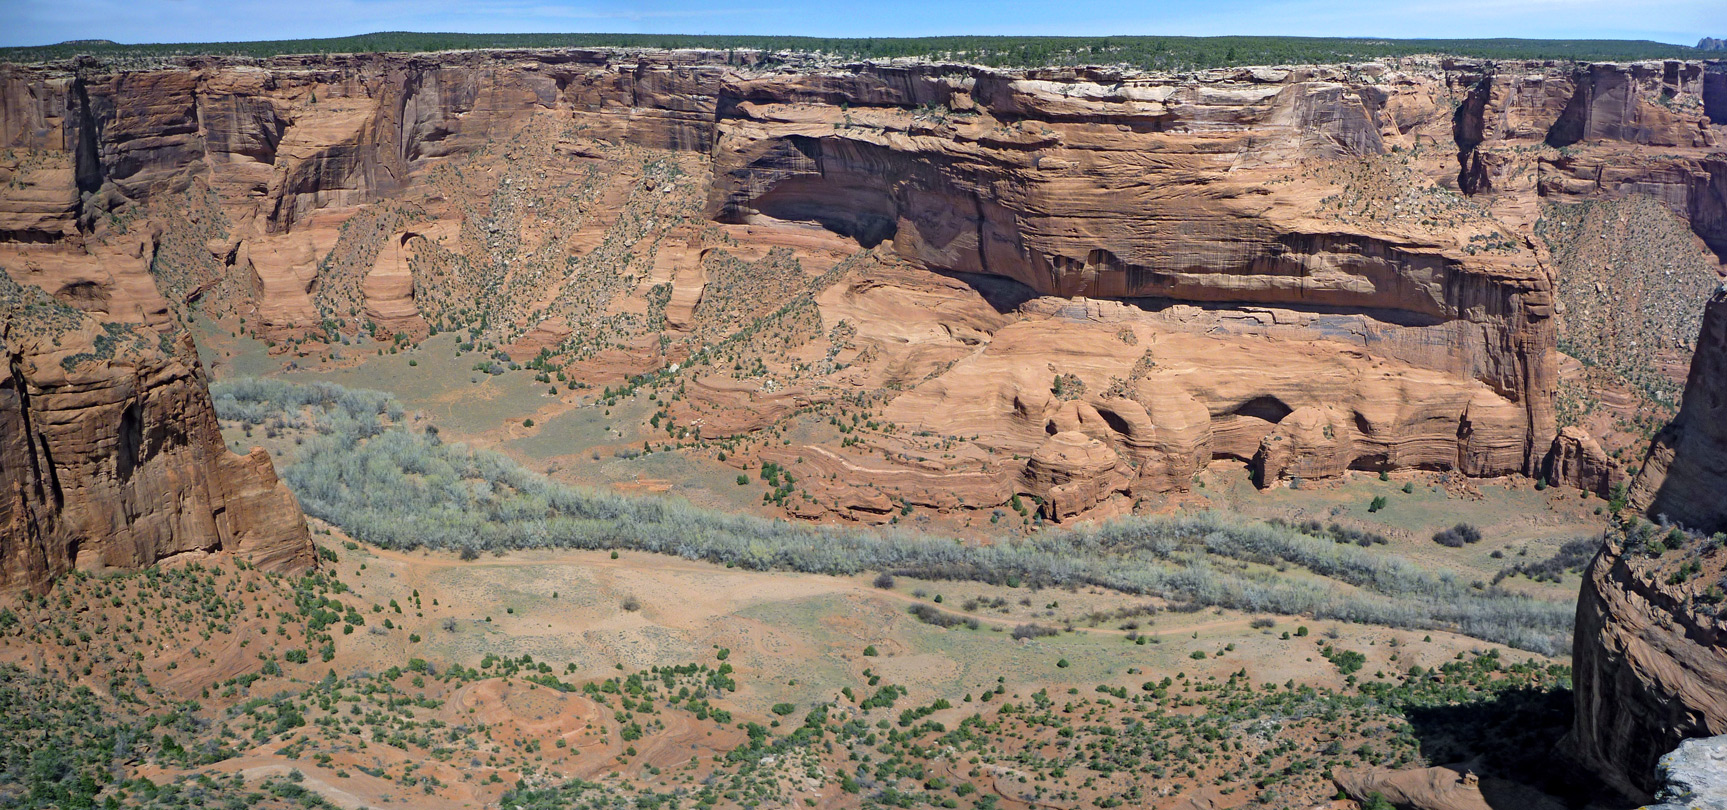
(438, 560)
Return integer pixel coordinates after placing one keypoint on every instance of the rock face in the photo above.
(1441, 788)
(1080, 184)
(1685, 476)
(110, 456)
(1651, 645)
(1577, 460)
(1694, 776)
(1649, 662)
(1379, 214)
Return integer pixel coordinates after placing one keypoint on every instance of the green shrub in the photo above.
(1457, 536)
(1162, 53)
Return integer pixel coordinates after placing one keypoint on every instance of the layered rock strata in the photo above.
(1577, 460)
(111, 458)
(1650, 659)
(1440, 788)
(1382, 211)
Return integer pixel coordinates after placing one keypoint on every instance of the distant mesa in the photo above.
(1712, 44)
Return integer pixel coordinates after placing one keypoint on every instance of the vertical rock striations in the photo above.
(1685, 476)
(1649, 666)
(110, 455)
(1379, 214)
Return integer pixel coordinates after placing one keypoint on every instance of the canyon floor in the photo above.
(557, 678)
(508, 676)
(566, 679)
(577, 438)
(695, 429)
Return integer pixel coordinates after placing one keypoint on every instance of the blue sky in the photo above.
(37, 22)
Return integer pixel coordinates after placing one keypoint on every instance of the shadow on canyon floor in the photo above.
(1515, 737)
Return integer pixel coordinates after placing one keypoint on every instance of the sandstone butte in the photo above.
(1651, 651)
(111, 458)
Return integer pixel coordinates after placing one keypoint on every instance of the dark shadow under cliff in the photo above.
(1513, 736)
(1002, 294)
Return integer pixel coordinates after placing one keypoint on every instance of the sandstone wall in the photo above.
(1648, 666)
(1651, 648)
(1217, 188)
(110, 455)
(1685, 476)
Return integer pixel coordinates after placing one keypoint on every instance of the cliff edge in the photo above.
(1685, 476)
(1650, 663)
(1650, 658)
(111, 457)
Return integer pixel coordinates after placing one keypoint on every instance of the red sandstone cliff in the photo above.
(110, 456)
(1377, 214)
(1685, 476)
(1649, 666)
(1650, 661)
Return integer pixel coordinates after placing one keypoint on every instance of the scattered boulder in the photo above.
(1073, 472)
(1577, 460)
(1311, 442)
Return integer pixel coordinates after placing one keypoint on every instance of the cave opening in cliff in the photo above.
(1003, 294)
(1268, 408)
(859, 212)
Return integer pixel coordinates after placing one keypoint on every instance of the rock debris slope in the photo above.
(1685, 476)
